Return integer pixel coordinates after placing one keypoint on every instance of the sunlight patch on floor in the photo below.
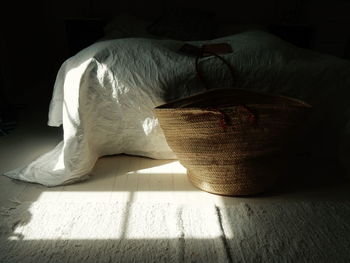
(141, 183)
(169, 168)
(113, 221)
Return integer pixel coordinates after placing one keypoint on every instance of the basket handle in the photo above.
(199, 73)
(224, 121)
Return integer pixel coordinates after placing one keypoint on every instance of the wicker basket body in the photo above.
(232, 142)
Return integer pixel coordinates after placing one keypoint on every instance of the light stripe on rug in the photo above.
(160, 232)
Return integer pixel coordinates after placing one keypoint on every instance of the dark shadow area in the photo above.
(8, 118)
(163, 250)
(307, 178)
(82, 33)
(298, 34)
(314, 173)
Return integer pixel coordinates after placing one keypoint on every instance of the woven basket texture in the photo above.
(232, 141)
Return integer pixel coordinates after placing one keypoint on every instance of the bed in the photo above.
(104, 96)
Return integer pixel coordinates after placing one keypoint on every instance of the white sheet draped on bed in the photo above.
(104, 97)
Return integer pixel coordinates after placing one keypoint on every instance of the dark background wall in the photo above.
(34, 40)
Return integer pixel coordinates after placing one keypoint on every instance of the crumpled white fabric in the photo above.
(104, 97)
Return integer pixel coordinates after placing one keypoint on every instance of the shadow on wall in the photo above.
(35, 47)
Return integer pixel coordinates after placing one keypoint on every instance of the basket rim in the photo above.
(223, 108)
(299, 103)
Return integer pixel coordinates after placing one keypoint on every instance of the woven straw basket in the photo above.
(232, 141)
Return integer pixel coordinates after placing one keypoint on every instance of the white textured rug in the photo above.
(141, 232)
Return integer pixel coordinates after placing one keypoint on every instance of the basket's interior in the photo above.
(231, 97)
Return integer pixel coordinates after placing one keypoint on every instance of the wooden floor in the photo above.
(123, 178)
